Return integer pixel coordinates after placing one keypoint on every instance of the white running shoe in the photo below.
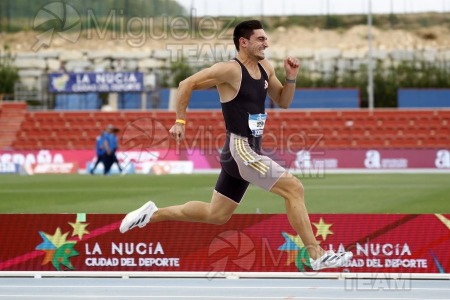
(330, 260)
(139, 217)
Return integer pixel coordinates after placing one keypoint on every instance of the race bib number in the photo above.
(256, 124)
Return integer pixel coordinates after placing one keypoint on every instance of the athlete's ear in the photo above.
(242, 42)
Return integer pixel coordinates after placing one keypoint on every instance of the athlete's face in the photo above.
(257, 44)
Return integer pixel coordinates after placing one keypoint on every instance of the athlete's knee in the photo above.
(291, 188)
(219, 219)
(301, 188)
(296, 188)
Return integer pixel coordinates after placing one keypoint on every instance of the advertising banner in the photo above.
(99, 170)
(96, 82)
(247, 243)
(372, 159)
(203, 159)
(51, 168)
(168, 167)
(143, 162)
(9, 168)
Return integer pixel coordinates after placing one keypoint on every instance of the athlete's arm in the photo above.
(282, 95)
(217, 74)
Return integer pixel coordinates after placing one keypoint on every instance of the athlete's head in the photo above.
(251, 36)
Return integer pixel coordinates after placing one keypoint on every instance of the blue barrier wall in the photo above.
(92, 101)
(303, 98)
(85, 101)
(154, 100)
(207, 99)
(164, 95)
(158, 100)
(426, 98)
(326, 98)
(129, 100)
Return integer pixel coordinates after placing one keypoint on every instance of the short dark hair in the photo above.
(245, 30)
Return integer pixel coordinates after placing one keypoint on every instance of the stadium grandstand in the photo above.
(380, 128)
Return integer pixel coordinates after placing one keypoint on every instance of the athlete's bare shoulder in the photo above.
(230, 80)
(228, 68)
(217, 74)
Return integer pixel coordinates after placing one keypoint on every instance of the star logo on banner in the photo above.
(323, 229)
(58, 239)
(79, 229)
(58, 249)
(62, 256)
(296, 250)
(49, 254)
(292, 246)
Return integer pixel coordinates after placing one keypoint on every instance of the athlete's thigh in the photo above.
(222, 205)
(231, 187)
(257, 169)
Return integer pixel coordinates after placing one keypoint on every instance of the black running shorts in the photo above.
(241, 165)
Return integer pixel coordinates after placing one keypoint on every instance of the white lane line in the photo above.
(213, 287)
(211, 297)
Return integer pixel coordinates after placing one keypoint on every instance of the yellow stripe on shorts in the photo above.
(263, 166)
(246, 156)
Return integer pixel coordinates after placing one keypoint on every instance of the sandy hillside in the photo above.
(281, 40)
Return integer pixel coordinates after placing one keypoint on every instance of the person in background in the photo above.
(113, 144)
(101, 147)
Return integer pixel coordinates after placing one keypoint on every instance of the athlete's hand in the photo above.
(292, 66)
(177, 132)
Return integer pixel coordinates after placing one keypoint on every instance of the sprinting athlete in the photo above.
(243, 84)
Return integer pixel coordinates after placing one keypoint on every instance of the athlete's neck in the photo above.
(246, 60)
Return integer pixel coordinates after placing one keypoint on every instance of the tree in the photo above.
(8, 73)
(180, 70)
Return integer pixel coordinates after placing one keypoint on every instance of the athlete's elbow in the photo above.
(184, 84)
(282, 103)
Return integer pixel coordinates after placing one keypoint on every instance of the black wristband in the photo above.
(291, 80)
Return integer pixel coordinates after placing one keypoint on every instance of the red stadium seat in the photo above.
(382, 128)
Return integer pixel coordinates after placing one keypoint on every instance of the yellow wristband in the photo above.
(181, 121)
